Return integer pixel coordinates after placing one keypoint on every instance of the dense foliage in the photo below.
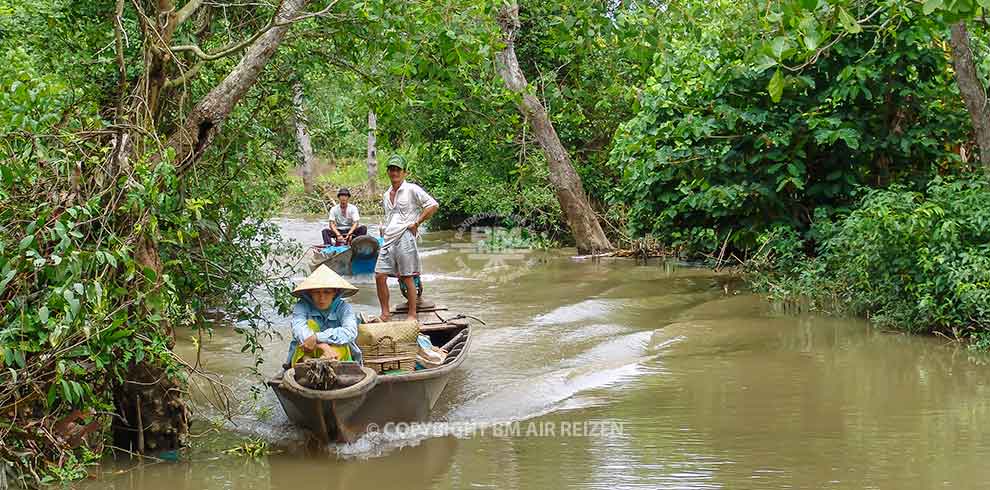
(828, 144)
(918, 261)
(82, 303)
(711, 157)
(476, 152)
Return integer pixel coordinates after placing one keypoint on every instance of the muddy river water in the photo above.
(613, 374)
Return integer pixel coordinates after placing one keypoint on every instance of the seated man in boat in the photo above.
(323, 324)
(407, 206)
(344, 221)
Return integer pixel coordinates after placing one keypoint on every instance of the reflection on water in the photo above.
(712, 390)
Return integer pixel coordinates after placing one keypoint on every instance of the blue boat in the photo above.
(350, 260)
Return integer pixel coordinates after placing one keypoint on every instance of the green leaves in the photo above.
(932, 5)
(780, 46)
(810, 32)
(25, 243)
(13, 357)
(5, 278)
(915, 261)
(776, 86)
(848, 22)
(721, 144)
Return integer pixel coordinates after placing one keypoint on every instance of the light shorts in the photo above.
(401, 258)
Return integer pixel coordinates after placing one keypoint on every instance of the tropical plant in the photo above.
(711, 160)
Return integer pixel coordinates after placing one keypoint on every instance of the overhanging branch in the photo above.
(196, 50)
(186, 11)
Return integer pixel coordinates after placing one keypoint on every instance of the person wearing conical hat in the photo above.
(323, 324)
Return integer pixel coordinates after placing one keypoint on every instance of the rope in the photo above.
(459, 316)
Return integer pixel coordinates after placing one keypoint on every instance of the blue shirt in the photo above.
(338, 323)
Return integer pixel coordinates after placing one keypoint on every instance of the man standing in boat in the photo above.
(344, 221)
(407, 206)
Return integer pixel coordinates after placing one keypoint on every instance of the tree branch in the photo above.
(118, 34)
(195, 49)
(348, 66)
(185, 77)
(186, 11)
(196, 134)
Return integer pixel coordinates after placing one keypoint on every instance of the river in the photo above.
(612, 374)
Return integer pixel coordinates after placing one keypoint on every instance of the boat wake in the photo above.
(557, 388)
(545, 388)
(585, 310)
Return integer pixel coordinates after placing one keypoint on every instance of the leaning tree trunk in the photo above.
(201, 126)
(302, 137)
(580, 216)
(151, 413)
(372, 154)
(972, 89)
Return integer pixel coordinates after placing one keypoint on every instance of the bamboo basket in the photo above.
(388, 355)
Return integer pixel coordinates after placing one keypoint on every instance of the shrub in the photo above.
(915, 261)
(709, 155)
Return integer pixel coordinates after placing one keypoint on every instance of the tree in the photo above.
(710, 161)
(972, 89)
(188, 143)
(145, 221)
(302, 137)
(194, 136)
(581, 217)
(805, 32)
(372, 153)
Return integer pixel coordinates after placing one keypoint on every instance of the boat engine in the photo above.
(419, 288)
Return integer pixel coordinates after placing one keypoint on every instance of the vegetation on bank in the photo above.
(909, 260)
(112, 237)
(349, 173)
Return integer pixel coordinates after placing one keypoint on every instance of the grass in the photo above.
(353, 173)
(350, 173)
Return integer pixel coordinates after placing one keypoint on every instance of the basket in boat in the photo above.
(404, 332)
(388, 355)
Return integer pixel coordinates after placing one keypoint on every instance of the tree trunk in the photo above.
(197, 132)
(581, 218)
(372, 153)
(302, 137)
(152, 416)
(972, 90)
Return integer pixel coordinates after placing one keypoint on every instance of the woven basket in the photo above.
(387, 355)
(402, 332)
(385, 364)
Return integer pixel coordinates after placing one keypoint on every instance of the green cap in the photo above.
(396, 160)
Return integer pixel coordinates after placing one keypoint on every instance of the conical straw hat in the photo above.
(324, 277)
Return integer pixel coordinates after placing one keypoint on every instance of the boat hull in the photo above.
(355, 259)
(407, 397)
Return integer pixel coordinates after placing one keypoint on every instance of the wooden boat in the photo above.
(343, 415)
(357, 258)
